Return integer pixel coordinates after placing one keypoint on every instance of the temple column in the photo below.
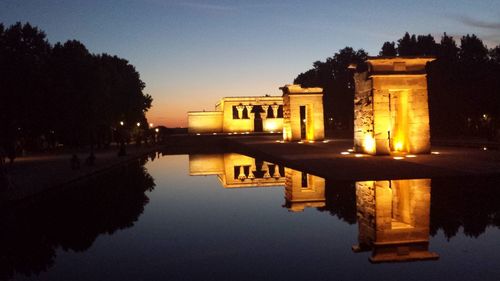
(240, 111)
(249, 111)
(276, 173)
(265, 168)
(275, 110)
(250, 173)
(242, 175)
(263, 115)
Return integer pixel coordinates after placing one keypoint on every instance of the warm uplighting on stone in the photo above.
(390, 108)
(303, 190)
(240, 115)
(393, 219)
(302, 113)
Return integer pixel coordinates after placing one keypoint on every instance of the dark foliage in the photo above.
(62, 93)
(338, 86)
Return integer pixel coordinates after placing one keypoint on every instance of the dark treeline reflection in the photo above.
(472, 204)
(463, 83)
(71, 220)
(62, 93)
(340, 200)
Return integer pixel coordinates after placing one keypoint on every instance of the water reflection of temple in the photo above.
(393, 219)
(236, 171)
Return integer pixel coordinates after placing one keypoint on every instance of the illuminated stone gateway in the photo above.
(391, 112)
(303, 113)
(239, 115)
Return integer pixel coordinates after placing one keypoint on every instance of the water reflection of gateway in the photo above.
(393, 219)
(303, 190)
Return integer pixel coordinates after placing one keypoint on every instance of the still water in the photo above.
(232, 217)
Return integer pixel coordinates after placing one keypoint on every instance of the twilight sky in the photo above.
(192, 53)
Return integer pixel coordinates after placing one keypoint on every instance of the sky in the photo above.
(192, 53)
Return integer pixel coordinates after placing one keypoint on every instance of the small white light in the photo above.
(229, 133)
(345, 153)
(435, 152)
(350, 150)
(157, 130)
(121, 123)
(214, 133)
(278, 141)
(271, 132)
(138, 124)
(326, 141)
(398, 157)
(358, 155)
(198, 134)
(300, 142)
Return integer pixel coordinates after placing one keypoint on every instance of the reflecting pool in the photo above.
(228, 216)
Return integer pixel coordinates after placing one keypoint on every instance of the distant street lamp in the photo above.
(138, 124)
(121, 123)
(157, 130)
(150, 125)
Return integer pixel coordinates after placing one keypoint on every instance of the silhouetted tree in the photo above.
(407, 46)
(426, 46)
(64, 92)
(388, 49)
(338, 85)
(24, 51)
(472, 50)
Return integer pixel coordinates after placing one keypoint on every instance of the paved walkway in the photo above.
(326, 160)
(37, 173)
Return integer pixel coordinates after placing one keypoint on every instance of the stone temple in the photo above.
(239, 115)
(391, 113)
(298, 114)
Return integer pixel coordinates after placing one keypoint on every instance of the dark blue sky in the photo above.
(191, 53)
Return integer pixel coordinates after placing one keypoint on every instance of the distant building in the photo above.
(240, 115)
(391, 112)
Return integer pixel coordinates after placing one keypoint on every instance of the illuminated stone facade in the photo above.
(393, 219)
(391, 111)
(303, 190)
(239, 115)
(302, 113)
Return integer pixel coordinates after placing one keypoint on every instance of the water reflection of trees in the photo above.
(341, 200)
(468, 203)
(71, 220)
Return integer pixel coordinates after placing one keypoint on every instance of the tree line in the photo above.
(62, 93)
(463, 84)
